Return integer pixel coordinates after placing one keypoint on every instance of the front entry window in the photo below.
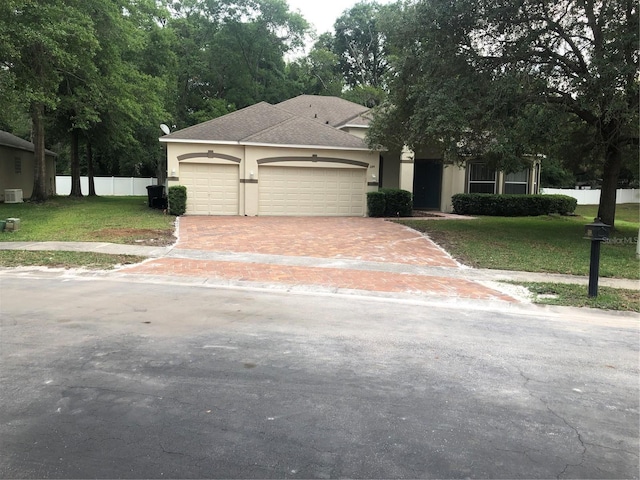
(482, 179)
(517, 183)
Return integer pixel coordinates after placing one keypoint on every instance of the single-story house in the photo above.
(17, 166)
(433, 182)
(307, 156)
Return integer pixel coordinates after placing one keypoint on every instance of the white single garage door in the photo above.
(312, 191)
(211, 189)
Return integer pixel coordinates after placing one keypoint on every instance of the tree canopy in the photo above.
(105, 74)
(500, 80)
(495, 80)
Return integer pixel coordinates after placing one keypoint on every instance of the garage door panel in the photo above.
(211, 189)
(312, 191)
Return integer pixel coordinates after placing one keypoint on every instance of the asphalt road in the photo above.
(111, 379)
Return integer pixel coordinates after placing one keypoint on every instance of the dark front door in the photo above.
(427, 184)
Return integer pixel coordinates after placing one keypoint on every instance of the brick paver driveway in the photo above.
(368, 239)
(356, 254)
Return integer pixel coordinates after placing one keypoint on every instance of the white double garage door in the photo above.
(282, 191)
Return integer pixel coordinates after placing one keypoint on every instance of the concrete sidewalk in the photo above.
(170, 252)
(93, 247)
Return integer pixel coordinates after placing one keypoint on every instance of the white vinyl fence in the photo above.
(107, 186)
(592, 197)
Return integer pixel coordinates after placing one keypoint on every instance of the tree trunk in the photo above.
(610, 174)
(92, 183)
(76, 189)
(161, 168)
(39, 193)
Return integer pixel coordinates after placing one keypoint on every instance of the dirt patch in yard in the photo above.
(136, 236)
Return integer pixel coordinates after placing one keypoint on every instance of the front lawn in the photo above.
(126, 220)
(576, 296)
(549, 243)
(88, 260)
(625, 213)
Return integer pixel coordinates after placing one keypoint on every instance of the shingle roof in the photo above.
(332, 111)
(9, 140)
(301, 131)
(264, 123)
(234, 126)
(361, 120)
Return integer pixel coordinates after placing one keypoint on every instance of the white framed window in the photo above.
(517, 183)
(482, 179)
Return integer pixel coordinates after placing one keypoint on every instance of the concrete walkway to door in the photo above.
(335, 254)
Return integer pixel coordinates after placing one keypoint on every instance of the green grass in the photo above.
(628, 213)
(126, 220)
(550, 243)
(92, 261)
(576, 296)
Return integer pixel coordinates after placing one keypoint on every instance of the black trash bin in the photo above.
(155, 194)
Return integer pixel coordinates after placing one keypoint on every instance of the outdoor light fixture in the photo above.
(250, 174)
(597, 232)
(173, 172)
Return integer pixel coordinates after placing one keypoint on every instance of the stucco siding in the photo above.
(250, 158)
(17, 169)
(453, 181)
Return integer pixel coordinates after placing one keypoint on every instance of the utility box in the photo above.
(13, 195)
(13, 224)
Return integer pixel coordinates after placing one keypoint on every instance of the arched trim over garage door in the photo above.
(209, 154)
(344, 161)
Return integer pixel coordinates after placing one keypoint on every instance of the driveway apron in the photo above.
(343, 253)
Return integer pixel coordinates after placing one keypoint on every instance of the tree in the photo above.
(554, 175)
(137, 68)
(40, 42)
(498, 80)
(360, 44)
(231, 55)
(365, 95)
(318, 73)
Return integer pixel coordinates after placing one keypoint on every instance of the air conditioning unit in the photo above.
(13, 195)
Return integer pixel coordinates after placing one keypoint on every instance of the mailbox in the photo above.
(597, 231)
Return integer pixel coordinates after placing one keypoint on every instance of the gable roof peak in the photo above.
(333, 111)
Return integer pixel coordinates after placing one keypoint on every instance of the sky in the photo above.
(323, 13)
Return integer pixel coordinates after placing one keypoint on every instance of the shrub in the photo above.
(177, 200)
(512, 205)
(397, 202)
(563, 204)
(376, 204)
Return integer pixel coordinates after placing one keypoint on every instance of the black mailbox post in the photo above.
(597, 232)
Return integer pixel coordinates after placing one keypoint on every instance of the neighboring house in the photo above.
(307, 156)
(17, 166)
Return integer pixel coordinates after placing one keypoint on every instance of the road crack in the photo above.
(578, 436)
